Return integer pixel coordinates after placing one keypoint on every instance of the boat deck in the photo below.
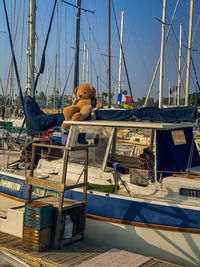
(83, 253)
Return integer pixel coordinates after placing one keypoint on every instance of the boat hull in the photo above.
(163, 229)
(173, 246)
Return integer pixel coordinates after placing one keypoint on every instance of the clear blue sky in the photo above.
(141, 40)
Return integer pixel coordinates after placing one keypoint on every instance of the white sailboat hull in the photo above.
(176, 247)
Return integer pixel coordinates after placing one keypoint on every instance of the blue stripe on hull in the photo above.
(141, 212)
(124, 209)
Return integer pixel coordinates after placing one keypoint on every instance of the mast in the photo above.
(162, 55)
(189, 52)
(179, 65)
(158, 63)
(169, 93)
(11, 66)
(84, 56)
(120, 53)
(76, 68)
(109, 61)
(31, 49)
(48, 75)
(55, 84)
(87, 66)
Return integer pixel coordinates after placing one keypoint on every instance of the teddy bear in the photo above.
(86, 95)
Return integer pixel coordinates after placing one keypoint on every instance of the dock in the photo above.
(81, 253)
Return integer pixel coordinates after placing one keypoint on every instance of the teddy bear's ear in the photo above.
(93, 91)
(75, 90)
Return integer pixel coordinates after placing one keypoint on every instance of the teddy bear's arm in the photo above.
(83, 114)
(70, 111)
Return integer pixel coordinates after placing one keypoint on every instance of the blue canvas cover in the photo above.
(173, 151)
(175, 114)
(37, 121)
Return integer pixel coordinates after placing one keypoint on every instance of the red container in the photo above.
(49, 133)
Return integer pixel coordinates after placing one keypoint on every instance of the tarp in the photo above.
(114, 114)
(176, 151)
(36, 120)
(175, 114)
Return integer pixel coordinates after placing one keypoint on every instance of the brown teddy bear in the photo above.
(86, 94)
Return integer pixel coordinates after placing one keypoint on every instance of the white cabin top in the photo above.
(132, 124)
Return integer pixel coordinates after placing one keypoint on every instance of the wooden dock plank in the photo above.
(71, 255)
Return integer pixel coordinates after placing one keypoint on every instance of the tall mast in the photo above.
(31, 48)
(169, 93)
(120, 53)
(84, 56)
(87, 66)
(189, 53)
(76, 68)
(55, 82)
(158, 63)
(162, 55)
(109, 62)
(179, 65)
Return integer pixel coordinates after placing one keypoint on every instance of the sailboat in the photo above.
(147, 203)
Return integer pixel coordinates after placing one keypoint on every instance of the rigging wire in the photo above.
(85, 10)
(97, 45)
(60, 102)
(42, 64)
(92, 62)
(195, 73)
(183, 55)
(13, 55)
(14, 33)
(49, 78)
(158, 62)
(47, 55)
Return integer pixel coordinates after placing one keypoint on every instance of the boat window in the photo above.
(178, 137)
(38, 192)
(51, 193)
(42, 192)
(9, 184)
(131, 142)
(98, 135)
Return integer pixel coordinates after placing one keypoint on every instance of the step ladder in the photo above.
(60, 187)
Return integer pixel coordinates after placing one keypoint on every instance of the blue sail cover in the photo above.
(37, 121)
(175, 114)
(176, 151)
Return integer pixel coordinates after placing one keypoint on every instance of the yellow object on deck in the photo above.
(51, 111)
(127, 106)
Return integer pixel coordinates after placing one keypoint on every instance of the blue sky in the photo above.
(141, 40)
